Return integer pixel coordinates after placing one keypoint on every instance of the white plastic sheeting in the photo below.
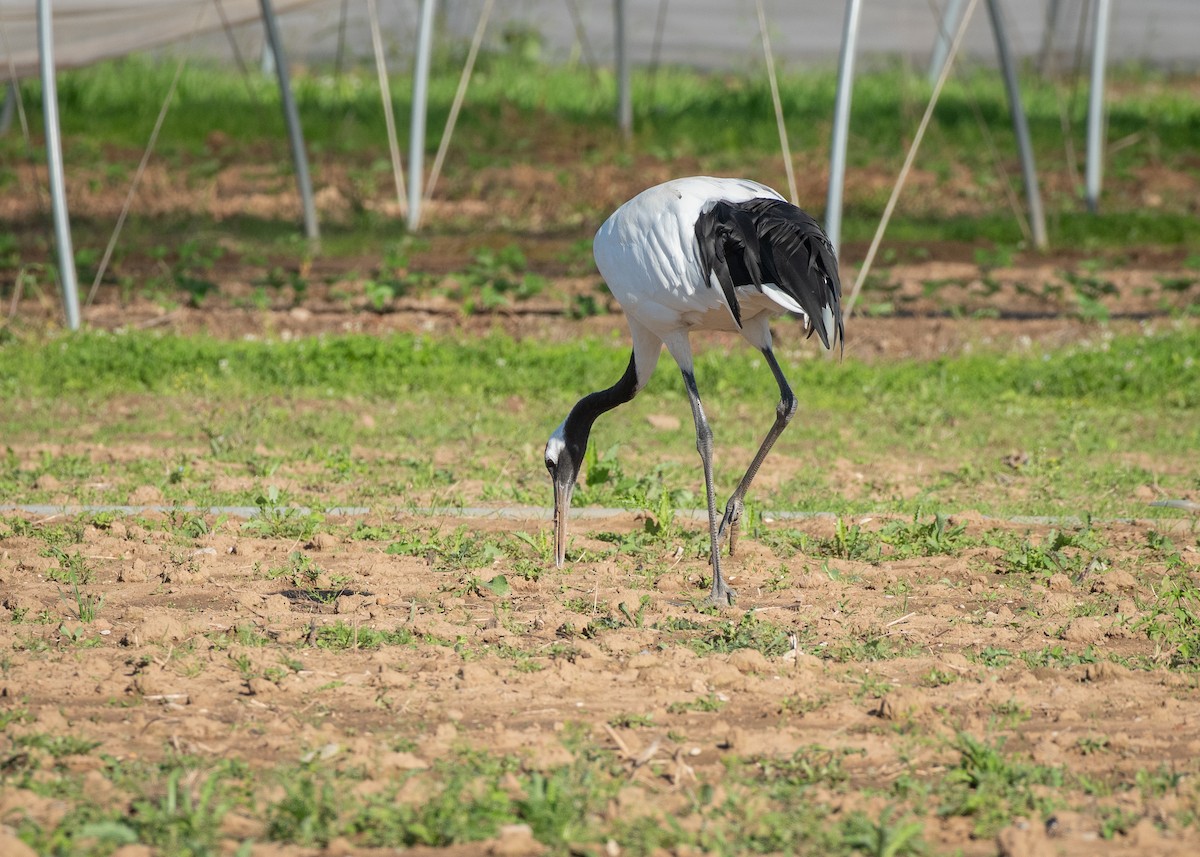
(86, 31)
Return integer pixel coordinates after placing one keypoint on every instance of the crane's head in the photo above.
(563, 458)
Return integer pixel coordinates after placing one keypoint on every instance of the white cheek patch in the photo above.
(556, 444)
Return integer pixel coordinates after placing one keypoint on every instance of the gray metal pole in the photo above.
(624, 97)
(841, 125)
(1046, 52)
(420, 107)
(10, 107)
(54, 165)
(266, 62)
(1095, 131)
(292, 117)
(1037, 218)
(941, 45)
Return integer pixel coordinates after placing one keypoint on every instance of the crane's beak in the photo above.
(562, 506)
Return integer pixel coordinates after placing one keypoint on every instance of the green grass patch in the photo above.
(341, 635)
(991, 785)
(677, 111)
(1086, 416)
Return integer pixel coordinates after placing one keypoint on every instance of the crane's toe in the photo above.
(722, 595)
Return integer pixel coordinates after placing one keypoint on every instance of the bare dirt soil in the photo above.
(202, 649)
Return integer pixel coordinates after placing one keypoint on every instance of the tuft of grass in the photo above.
(710, 702)
(277, 520)
(72, 567)
(495, 278)
(466, 803)
(1058, 657)
(991, 785)
(307, 814)
(87, 604)
(935, 537)
(1173, 620)
(885, 837)
(1059, 551)
(58, 747)
(631, 721)
(458, 550)
(341, 635)
(749, 632)
(809, 765)
(183, 820)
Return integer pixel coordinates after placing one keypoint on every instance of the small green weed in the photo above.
(14, 715)
(276, 520)
(992, 785)
(1089, 745)
(396, 276)
(709, 702)
(937, 678)
(1059, 551)
(307, 814)
(498, 586)
(851, 542)
(936, 537)
(1058, 657)
(300, 570)
(884, 838)
(87, 605)
(606, 482)
(1173, 620)
(1115, 820)
(1009, 714)
(992, 656)
(340, 635)
(1161, 781)
(749, 632)
(185, 820)
(871, 646)
(495, 278)
(638, 619)
(631, 721)
(57, 746)
(459, 550)
(72, 567)
(810, 765)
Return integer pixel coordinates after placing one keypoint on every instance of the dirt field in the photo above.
(881, 682)
(205, 650)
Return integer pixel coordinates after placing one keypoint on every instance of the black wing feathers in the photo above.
(771, 241)
(715, 235)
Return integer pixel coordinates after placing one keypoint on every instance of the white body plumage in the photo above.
(649, 256)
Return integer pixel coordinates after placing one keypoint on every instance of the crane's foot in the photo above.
(730, 524)
(722, 594)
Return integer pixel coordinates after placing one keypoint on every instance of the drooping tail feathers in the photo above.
(770, 241)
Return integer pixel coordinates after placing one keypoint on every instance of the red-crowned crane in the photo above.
(702, 253)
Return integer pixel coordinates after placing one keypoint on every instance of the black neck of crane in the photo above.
(591, 406)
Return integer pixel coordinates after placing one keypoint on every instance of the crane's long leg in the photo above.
(783, 415)
(721, 593)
